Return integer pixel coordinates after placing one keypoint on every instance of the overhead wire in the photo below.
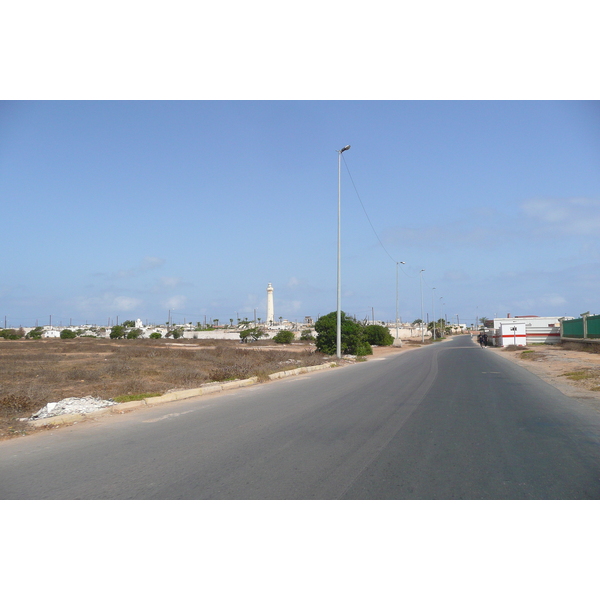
(369, 220)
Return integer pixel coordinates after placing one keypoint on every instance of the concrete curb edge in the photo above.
(125, 407)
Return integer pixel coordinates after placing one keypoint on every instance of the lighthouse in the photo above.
(270, 311)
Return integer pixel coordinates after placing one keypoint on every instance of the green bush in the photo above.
(117, 332)
(12, 334)
(155, 336)
(255, 333)
(134, 334)
(378, 335)
(35, 334)
(307, 336)
(284, 337)
(353, 340)
(67, 334)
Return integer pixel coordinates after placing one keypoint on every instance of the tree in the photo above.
(307, 336)
(134, 334)
(352, 336)
(156, 335)
(67, 334)
(254, 332)
(35, 334)
(117, 332)
(378, 335)
(128, 323)
(12, 334)
(284, 337)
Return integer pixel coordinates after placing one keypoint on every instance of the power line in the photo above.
(370, 223)
(365, 211)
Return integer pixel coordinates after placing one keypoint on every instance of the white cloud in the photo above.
(147, 264)
(175, 302)
(571, 216)
(554, 300)
(126, 303)
(107, 303)
(152, 262)
(170, 281)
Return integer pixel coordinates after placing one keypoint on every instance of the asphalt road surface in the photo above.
(447, 421)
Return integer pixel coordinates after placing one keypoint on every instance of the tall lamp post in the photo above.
(422, 322)
(339, 257)
(397, 263)
(433, 312)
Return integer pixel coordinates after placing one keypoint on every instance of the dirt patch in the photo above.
(36, 372)
(571, 368)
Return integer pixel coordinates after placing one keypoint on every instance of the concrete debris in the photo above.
(70, 406)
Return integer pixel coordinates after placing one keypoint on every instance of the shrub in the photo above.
(155, 336)
(307, 336)
(117, 332)
(134, 334)
(378, 335)
(67, 334)
(284, 337)
(12, 334)
(353, 339)
(35, 334)
(255, 333)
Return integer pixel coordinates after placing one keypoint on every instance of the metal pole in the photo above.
(433, 312)
(338, 343)
(422, 323)
(396, 300)
(401, 263)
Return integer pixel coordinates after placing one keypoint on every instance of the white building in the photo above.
(527, 329)
(270, 309)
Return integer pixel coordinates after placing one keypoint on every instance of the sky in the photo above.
(141, 209)
(176, 162)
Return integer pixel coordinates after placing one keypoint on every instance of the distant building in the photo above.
(523, 330)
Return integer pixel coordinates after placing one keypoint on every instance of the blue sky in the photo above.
(130, 209)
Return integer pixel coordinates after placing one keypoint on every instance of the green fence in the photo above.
(573, 328)
(583, 328)
(593, 327)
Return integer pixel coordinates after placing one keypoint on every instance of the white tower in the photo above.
(270, 311)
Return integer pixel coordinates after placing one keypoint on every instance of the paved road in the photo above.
(447, 421)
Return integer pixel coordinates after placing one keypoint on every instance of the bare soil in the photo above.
(35, 372)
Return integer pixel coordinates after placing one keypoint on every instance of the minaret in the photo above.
(270, 311)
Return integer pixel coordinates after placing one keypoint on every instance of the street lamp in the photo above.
(421, 281)
(397, 263)
(433, 312)
(338, 344)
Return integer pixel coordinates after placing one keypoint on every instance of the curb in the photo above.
(126, 407)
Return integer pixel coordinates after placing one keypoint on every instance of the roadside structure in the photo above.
(525, 329)
(270, 309)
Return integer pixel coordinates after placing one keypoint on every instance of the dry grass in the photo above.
(592, 348)
(35, 372)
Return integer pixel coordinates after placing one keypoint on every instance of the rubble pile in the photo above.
(70, 406)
